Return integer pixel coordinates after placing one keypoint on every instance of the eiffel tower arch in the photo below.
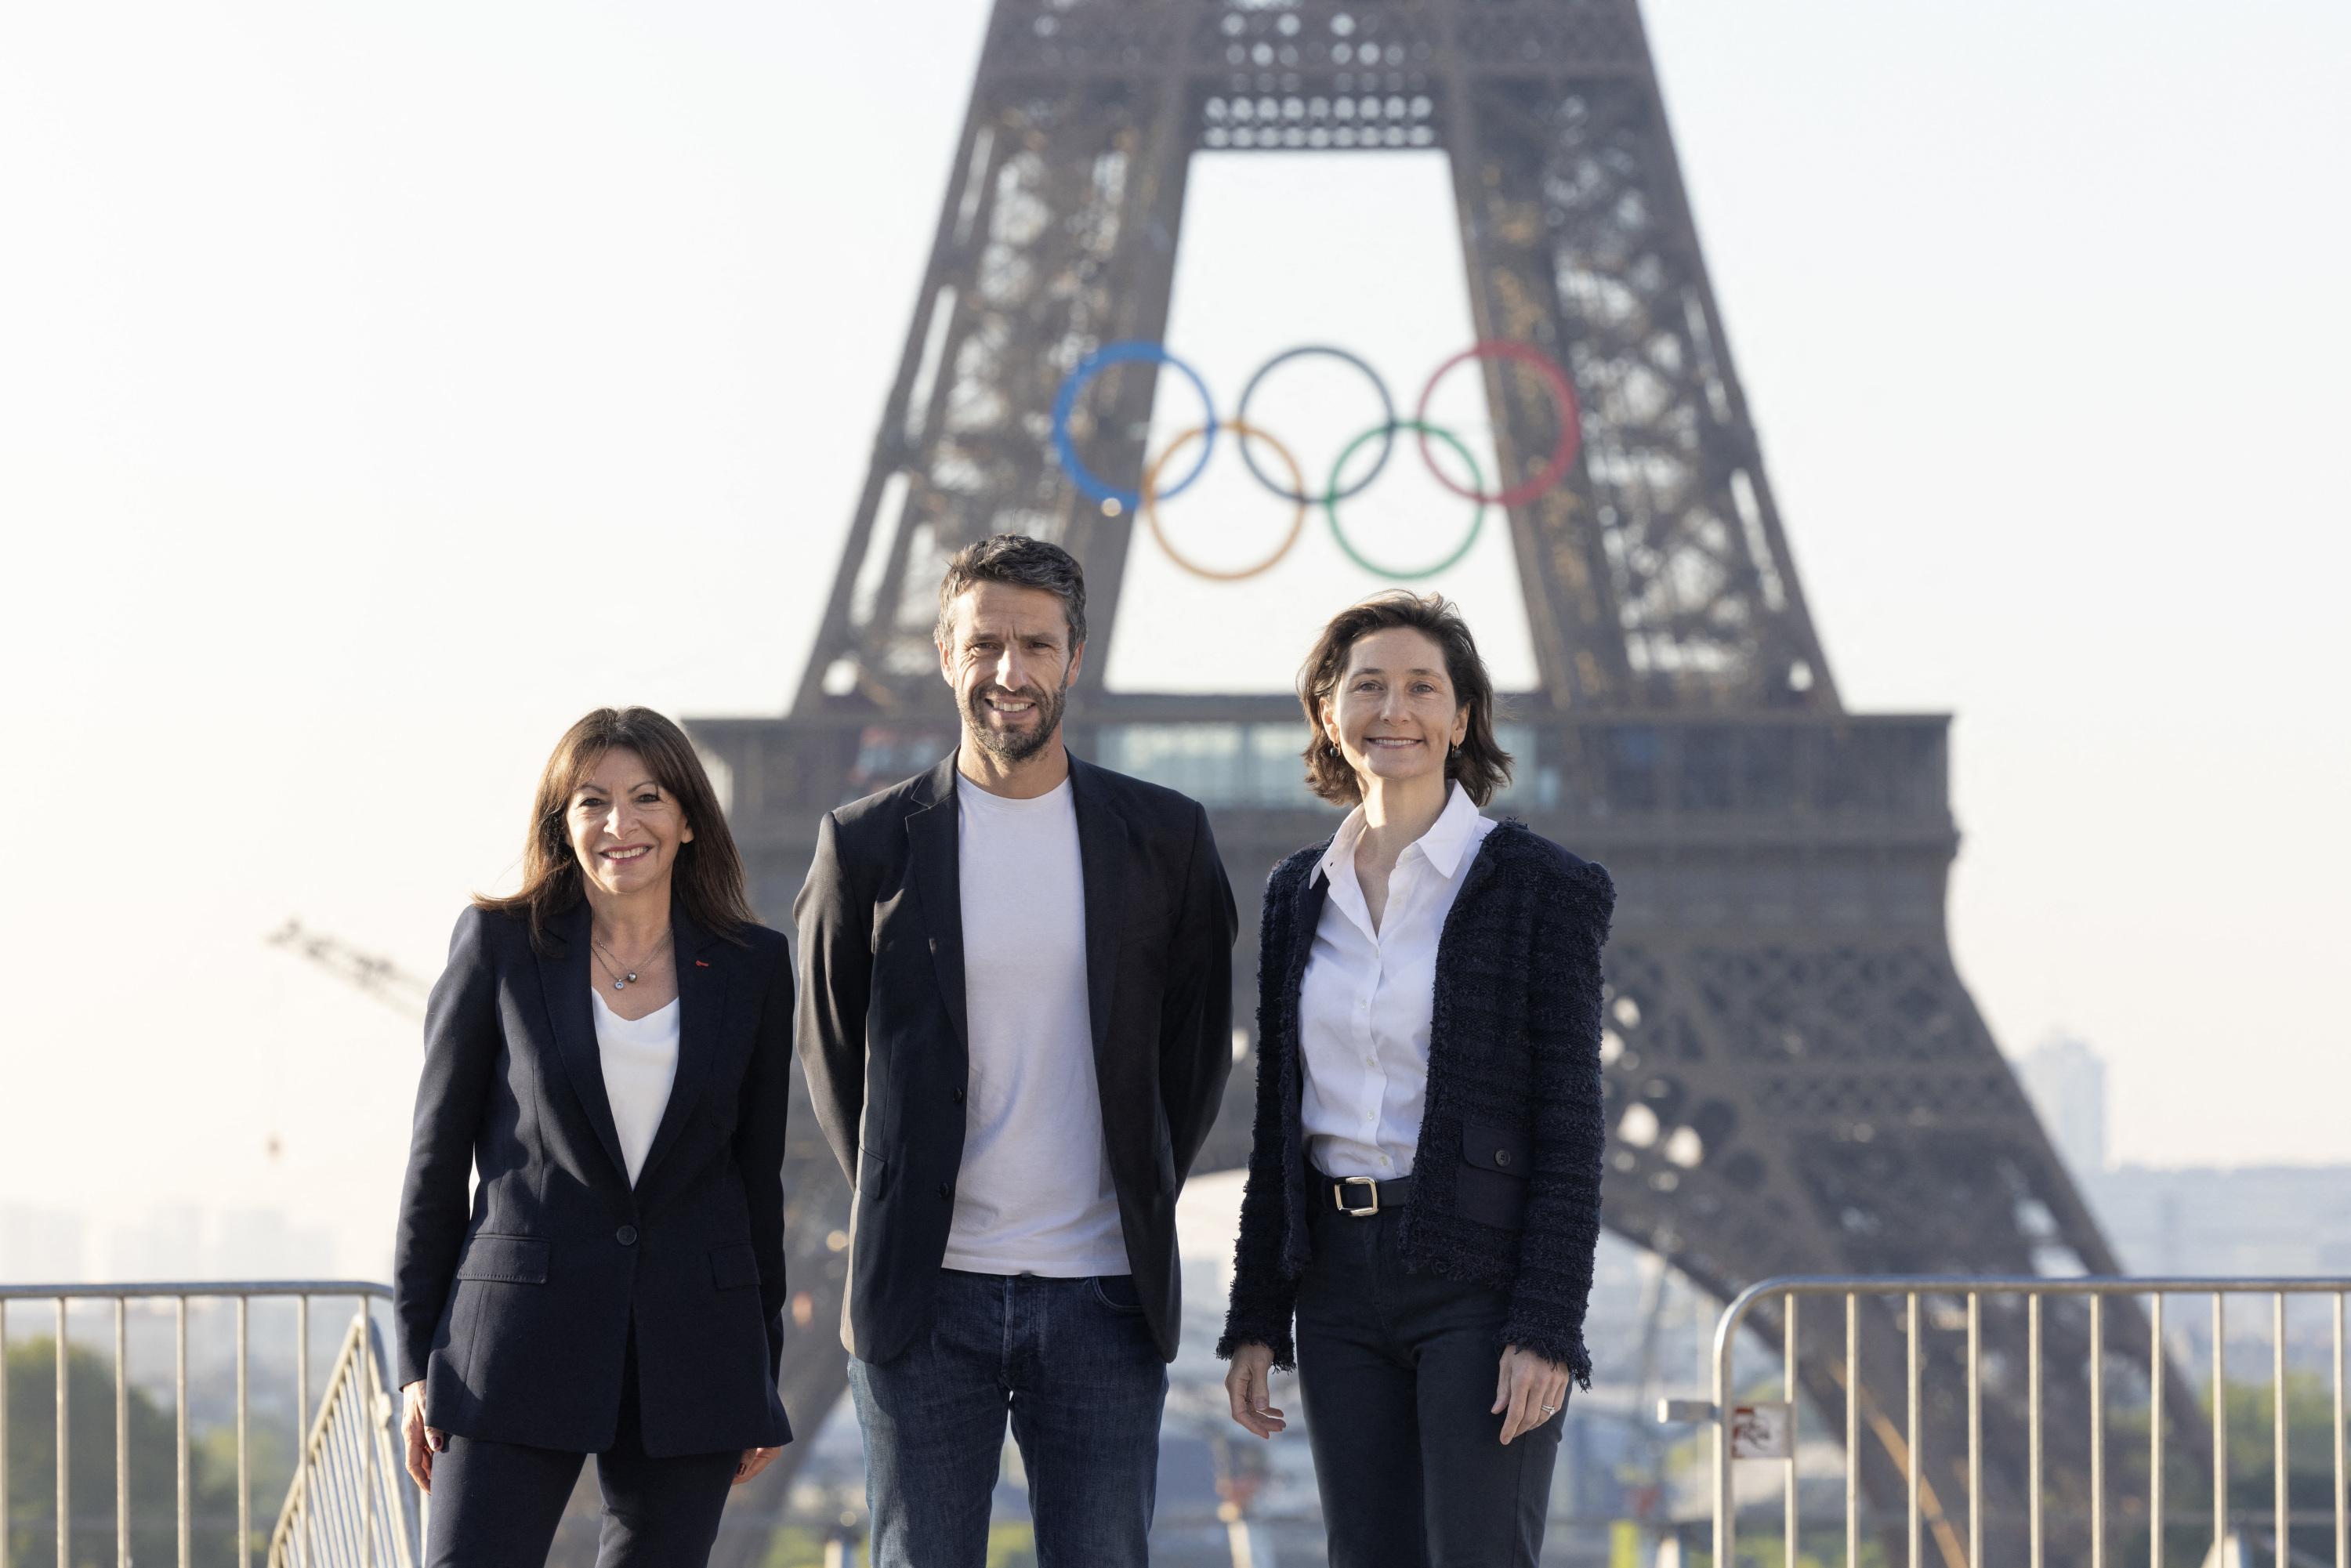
(1798, 1081)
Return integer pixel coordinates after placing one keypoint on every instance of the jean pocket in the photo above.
(1117, 1292)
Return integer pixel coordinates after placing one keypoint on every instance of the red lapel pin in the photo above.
(702, 963)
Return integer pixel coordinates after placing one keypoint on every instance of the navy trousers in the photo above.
(496, 1505)
(1073, 1367)
(1397, 1372)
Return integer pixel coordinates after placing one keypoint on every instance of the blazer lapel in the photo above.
(563, 981)
(933, 864)
(1102, 857)
(701, 1013)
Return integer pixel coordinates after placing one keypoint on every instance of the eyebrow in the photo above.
(586, 785)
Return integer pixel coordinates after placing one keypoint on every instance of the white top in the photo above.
(1364, 1006)
(1035, 1195)
(640, 1057)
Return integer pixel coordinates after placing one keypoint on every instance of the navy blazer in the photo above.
(517, 1314)
(883, 1027)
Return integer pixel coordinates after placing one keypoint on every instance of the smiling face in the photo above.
(625, 829)
(1009, 658)
(1394, 715)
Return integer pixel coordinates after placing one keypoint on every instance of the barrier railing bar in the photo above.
(2277, 1399)
(2342, 1469)
(366, 1441)
(1910, 1438)
(2097, 1432)
(4, 1426)
(2032, 1421)
(180, 1382)
(1726, 1524)
(2155, 1434)
(1852, 1428)
(121, 1434)
(244, 1450)
(2219, 1425)
(65, 1449)
(1975, 1430)
(1788, 1499)
(302, 1398)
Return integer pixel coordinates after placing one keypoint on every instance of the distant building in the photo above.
(2066, 1081)
(40, 1246)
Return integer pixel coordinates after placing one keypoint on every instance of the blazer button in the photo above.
(1501, 1156)
(626, 1236)
(946, 1189)
(958, 1096)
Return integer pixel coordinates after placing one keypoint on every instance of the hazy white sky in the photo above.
(382, 386)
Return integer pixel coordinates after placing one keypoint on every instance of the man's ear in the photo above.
(1077, 658)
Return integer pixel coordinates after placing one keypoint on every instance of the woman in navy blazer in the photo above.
(610, 1049)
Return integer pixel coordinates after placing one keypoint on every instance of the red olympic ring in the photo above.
(1571, 421)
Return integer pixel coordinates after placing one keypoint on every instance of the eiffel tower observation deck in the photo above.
(1798, 1081)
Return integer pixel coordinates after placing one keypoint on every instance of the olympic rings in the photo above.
(1128, 352)
(1424, 430)
(1147, 498)
(1387, 412)
(1571, 420)
(1241, 431)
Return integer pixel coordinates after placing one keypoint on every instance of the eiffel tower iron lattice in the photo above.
(1798, 1081)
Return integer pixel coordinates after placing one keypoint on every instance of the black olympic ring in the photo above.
(1387, 422)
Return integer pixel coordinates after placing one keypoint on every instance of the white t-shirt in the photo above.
(1035, 1195)
(640, 1058)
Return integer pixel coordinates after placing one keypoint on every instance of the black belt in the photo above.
(1360, 1197)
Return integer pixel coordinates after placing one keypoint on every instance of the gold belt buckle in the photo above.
(1374, 1208)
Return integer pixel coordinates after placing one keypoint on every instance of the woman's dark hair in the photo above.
(708, 875)
(1479, 764)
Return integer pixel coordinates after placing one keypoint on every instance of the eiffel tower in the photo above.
(1798, 1081)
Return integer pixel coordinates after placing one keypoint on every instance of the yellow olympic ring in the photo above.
(1241, 432)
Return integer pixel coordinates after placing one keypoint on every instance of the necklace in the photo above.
(623, 975)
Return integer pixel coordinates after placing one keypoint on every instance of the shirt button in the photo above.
(1385, 1161)
(626, 1236)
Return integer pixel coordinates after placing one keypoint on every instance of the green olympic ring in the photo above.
(1424, 429)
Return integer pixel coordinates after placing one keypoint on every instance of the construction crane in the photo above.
(380, 978)
(377, 976)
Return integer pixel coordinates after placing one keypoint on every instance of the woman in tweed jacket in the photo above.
(1424, 1193)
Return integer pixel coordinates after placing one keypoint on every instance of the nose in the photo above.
(1011, 672)
(618, 819)
(1391, 705)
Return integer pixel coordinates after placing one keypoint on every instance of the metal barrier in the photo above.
(1765, 1429)
(349, 1499)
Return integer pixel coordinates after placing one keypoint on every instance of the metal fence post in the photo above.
(65, 1450)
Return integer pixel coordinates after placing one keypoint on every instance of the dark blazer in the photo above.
(882, 1032)
(1505, 1176)
(518, 1315)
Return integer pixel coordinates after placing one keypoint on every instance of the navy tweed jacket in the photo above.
(1506, 1178)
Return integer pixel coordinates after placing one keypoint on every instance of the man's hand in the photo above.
(423, 1441)
(1530, 1389)
(754, 1461)
(1249, 1382)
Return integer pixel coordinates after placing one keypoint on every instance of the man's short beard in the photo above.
(1015, 746)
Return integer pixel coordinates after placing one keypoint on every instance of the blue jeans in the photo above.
(1070, 1363)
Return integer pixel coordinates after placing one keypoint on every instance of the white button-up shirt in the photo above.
(1363, 1008)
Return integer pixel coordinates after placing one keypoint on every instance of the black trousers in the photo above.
(496, 1505)
(1397, 1370)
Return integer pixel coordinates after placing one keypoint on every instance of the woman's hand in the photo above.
(423, 1441)
(754, 1461)
(1249, 1385)
(1531, 1389)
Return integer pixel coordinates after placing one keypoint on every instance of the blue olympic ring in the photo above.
(1133, 351)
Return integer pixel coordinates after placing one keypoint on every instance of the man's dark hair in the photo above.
(1479, 764)
(1023, 562)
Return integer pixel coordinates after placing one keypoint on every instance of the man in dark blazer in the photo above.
(1016, 1021)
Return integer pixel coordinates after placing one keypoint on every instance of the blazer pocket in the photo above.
(1491, 1187)
(516, 1259)
(873, 1173)
(731, 1267)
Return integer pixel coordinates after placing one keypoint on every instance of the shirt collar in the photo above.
(1447, 838)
